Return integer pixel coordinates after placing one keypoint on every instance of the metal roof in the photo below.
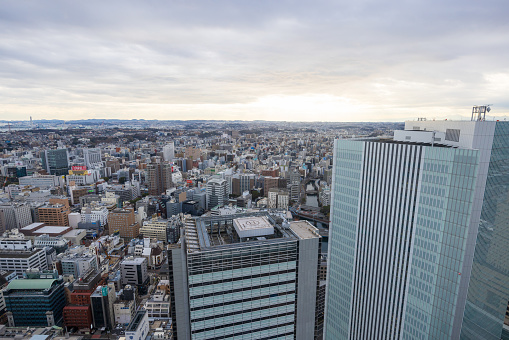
(31, 284)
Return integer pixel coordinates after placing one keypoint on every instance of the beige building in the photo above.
(123, 221)
(155, 229)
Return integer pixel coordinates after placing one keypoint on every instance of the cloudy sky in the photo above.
(247, 60)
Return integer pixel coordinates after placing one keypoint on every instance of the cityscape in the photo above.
(254, 170)
(258, 230)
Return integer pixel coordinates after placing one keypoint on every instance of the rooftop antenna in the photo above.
(479, 112)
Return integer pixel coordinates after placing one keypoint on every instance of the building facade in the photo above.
(216, 192)
(124, 222)
(158, 178)
(432, 200)
(55, 162)
(244, 276)
(134, 271)
(46, 301)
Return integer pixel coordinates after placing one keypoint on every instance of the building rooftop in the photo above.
(304, 229)
(136, 321)
(253, 226)
(213, 232)
(31, 284)
(51, 230)
(13, 254)
(32, 226)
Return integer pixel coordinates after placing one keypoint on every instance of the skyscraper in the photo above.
(216, 192)
(92, 156)
(169, 151)
(417, 233)
(55, 162)
(158, 178)
(244, 276)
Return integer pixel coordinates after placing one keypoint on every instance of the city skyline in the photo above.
(284, 61)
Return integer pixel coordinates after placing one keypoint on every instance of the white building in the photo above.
(92, 157)
(134, 270)
(169, 151)
(278, 198)
(42, 181)
(15, 216)
(158, 307)
(15, 244)
(124, 311)
(95, 213)
(21, 260)
(216, 192)
(74, 219)
(138, 328)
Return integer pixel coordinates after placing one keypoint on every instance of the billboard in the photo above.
(79, 168)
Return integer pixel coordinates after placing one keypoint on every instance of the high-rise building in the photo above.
(55, 162)
(36, 300)
(54, 214)
(101, 301)
(169, 152)
(419, 234)
(92, 156)
(134, 271)
(124, 222)
(14, 216)
(216, 192)
(278, 198)
(158, 178)
(244, 276)
(269, 183)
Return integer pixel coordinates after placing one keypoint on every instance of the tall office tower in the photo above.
(169, 152)
(216, 192)
(158, 178)
(56, 162)
(419, 234)
(92, 156)
(244, 276)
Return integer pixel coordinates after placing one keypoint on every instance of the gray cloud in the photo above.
(290, 60)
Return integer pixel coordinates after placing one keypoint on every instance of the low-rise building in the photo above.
(158, 307)
(124, 311)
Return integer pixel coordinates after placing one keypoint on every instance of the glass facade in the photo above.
(348, 160)
(244, 292)
(488, 291)
(56, 162)
(446, 192)
(41, 301)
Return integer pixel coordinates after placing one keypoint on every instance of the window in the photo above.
(452, 135)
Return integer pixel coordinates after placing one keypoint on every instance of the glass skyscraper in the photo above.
(56, 162)
(418, 237)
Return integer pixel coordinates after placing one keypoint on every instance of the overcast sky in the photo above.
(273, 60)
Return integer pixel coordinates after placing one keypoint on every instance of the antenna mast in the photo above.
(479, 112)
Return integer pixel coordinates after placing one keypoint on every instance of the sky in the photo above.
(253, 60)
